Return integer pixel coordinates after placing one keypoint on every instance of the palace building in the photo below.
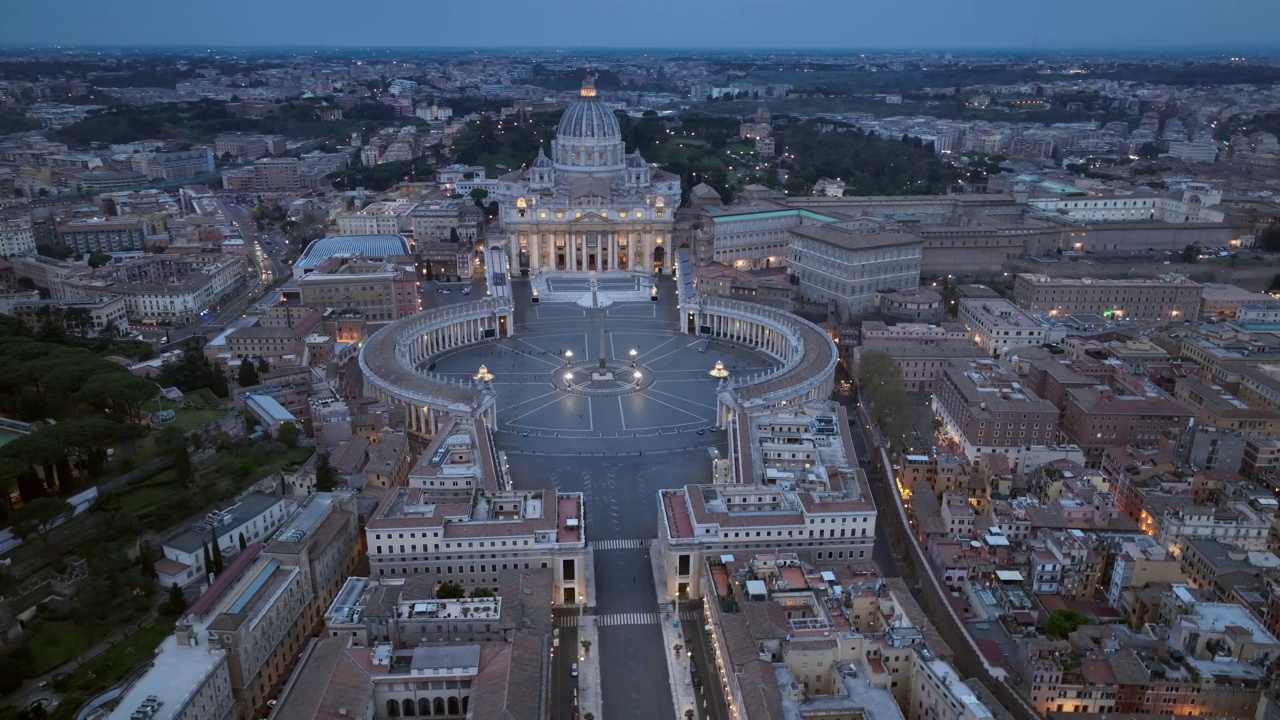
(590, 206)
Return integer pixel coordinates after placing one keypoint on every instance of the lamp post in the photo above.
(483, 375)
(719, 371)
(633, 354)
(568, 357)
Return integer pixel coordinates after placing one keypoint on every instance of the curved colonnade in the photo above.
(808, 356)
(390, 359)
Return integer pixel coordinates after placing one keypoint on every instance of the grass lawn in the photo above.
(111, 666)
(56, 642)
(188, 419)
(155, 491)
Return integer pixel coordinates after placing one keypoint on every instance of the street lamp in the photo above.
(483, 375)
(633, 357)
(719, 371)
(568, 357)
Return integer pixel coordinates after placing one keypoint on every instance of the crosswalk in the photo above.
(638, 618)
(620, 544)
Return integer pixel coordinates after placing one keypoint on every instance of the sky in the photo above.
(1088, 25)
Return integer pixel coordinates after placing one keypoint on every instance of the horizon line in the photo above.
(560, 49)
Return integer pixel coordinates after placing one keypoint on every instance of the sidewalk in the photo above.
(683, 696)
(589, 669)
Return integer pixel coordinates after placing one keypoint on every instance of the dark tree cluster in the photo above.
(193, 372)
(866, 163)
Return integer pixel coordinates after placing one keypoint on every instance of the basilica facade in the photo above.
(591, 206)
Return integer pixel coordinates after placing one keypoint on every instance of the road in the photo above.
(266, 266)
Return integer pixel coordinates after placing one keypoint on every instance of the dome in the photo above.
(588, 117)
(589, 139)
(635, 161)
(542, 161)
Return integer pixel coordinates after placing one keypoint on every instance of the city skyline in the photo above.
(1140, 26)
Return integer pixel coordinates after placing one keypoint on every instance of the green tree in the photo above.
(1190, 254)
(177, 600)
(243, 543)
(453, 235)
(263, 366)
(450, 591)
(880, 386)
(38, 518)
(288, 434)
(97, 260)
(218, 563)
(482, 592)
(248, 375)
(1062, 623)
(326, 478)
(1269, 239)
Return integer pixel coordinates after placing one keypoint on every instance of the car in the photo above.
(573, 670)
(272, 702)
(524, 434)
(702, 431)
(445, 290)
(466, 291)
(440, 291)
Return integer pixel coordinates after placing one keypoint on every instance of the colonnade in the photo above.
(614, 250)
(808, 354)
(390, 358)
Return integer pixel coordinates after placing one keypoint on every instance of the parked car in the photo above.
(573, 670)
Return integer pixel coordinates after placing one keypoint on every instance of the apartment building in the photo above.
(1234, 523)
(835, 641)
(920, 360)
(438, 220)
(102, 235)
(382, 290)
(445, 261)
(379, 218)
(102, 316)
(248, 146)
(496, 673)
(174, 165)
(769, 287)
(791, 481)
(1216, 408)
(939, 693)
(277, 174)
(998, 326)
(1138, 561)
(984, 405)
(1133, 413)
(49, 274)
(1171, 298)
(17, 236)
(849, 269)
(1261, 458)
(1221, 300)
(255, 517)
(171, 289)
(1108, 669)
(1260, 386)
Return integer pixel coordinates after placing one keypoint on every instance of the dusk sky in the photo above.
(852, 24)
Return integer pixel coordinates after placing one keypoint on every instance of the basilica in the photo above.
(590, 206)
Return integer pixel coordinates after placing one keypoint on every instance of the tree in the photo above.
(482, 592)
(182, 465)
(177, 600)
(243, 543)
(218, 564)
(326, 478)
(263, 366)
(1269, 239)
(1062, 623)
(288, 434)
(38, 518)
(880, 385)
(450, 591)
(97, 260)
(208, 559)
(1190, 254)
(248, 375)
(118, 392)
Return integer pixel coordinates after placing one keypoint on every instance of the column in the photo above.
(613, 251)
(533, 252)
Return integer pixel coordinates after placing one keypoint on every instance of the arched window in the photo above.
(424, 707)
(439, 706)
(393, 708)
(409, 708)
(465, 702)
(453, 706)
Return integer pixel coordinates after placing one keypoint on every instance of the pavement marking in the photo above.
(681, 398)
(643, 394)
(553, 402)
(620, 544)
(635, 618)
(646, 353)
(673, 352)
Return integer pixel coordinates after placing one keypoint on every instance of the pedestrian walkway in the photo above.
(620, 544)
(643, 618)
(589, 696)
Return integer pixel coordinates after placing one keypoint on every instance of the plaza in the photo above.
(543, 376)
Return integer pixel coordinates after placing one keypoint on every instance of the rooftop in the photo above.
(364, 245)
